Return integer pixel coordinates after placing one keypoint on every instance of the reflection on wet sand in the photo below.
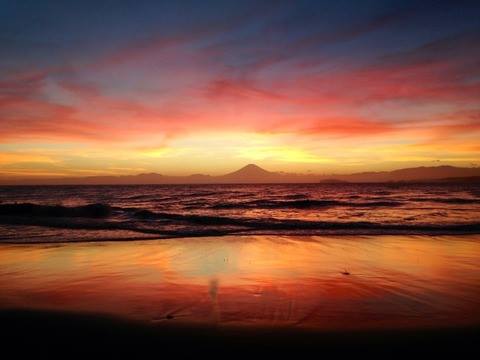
(392, 281)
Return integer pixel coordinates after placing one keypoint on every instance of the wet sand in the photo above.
(372, 292)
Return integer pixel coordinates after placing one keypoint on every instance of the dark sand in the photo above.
(219, 296)
(66, 334)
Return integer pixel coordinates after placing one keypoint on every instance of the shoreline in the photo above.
(236, 235)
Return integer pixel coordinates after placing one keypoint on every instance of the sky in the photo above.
(182, 87)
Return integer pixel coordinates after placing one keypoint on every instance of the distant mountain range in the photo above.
(253, 174)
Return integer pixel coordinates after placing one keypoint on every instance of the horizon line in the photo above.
(250, 174)
(233, 171)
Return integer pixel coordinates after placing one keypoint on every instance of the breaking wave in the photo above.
(102, 217)
(35, 210)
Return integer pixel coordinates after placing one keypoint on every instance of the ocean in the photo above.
(89, 213)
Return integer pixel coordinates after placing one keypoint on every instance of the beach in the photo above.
(249, 284)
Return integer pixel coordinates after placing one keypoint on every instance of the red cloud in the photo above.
(349, 127)
(295, 100)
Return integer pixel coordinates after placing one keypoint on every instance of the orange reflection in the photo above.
(394, 281)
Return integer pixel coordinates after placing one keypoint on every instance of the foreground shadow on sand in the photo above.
(51, 332)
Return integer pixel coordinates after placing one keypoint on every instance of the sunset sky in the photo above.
(181, 87)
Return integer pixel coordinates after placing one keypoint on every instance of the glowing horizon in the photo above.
(182, 88)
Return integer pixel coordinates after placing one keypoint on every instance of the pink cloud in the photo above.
(293, 100)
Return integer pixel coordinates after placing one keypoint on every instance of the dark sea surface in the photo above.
(88, 213)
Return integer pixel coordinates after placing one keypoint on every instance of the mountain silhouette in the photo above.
(254, 174)
(250, 170)
(421, 173)
(251, 173)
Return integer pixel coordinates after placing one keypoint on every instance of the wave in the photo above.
(35, 210)
(147, 197)
(288, 224)
(447, 200)
(171, 224)
(92, 217)
(204, 193)
(303, 204)
(210, 226)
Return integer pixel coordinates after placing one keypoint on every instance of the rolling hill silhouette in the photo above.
(253, 174)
